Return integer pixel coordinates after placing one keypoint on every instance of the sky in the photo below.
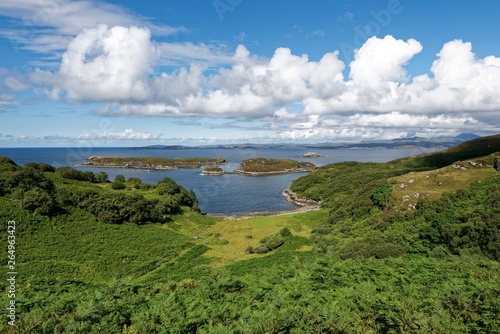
(197, 72)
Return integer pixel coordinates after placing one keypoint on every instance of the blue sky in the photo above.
(127, 73)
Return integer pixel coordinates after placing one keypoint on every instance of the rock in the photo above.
(496, 164)
(311, 155)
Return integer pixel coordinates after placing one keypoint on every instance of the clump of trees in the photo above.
(269, 242)
(33, 190)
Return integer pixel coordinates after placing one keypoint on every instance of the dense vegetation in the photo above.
(154, 163)
(365, 263)
(266, 165)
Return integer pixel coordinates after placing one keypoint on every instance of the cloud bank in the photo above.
(118, 66)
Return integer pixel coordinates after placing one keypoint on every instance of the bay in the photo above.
(229, 194)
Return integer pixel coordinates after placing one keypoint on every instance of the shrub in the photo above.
(260, 249)
(73, 174)
(285, 232)
(101, 177)
(117, 185)
(272, 241)
(38, 201)
(249, 250)
(167, 186)
(42, 167)
(120, 178)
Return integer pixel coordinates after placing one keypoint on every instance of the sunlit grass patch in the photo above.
(234, 236)
(411, 187)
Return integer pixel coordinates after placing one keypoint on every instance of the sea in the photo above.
(228, 194)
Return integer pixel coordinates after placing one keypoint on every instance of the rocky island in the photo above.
(266, 166)
(312, 155)
(151, 163)
(212, 171)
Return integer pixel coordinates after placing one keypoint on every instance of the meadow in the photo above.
(368, 261)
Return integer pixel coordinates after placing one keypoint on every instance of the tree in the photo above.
(38, 201)
(101, 177)
(117, 185)
(120, 178)
(167, 186)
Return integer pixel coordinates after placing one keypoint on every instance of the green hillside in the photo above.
(94, 256)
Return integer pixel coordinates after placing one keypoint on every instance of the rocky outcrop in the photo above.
(300, 201)
(496, 164)
(311, 155)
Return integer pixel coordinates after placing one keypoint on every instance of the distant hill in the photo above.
(398, 143)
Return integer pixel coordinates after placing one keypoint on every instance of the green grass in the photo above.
(352, 267)
(241, 233)
(410, 188)
(265, 165)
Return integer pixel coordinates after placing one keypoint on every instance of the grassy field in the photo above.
(411, 187)
(228, 239)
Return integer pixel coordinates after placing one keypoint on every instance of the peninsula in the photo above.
(265, 166)
(151, 163)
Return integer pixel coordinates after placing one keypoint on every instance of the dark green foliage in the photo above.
(29, 178)
(73, 174)
(167, 186)
(285, 232)
(101, 177)
(38, 201)
(117, 185)
(8, 165)
(120, 178)
(135, 181)
(465, 221)
(42, 167)
(380, 197)
(260, 249)
(272, 241)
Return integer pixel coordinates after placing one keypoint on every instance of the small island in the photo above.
(212, 171)
(150, 163)
(312, 155)
(266, 166)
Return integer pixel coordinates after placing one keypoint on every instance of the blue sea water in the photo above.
(229, 194)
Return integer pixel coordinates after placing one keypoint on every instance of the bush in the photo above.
(42, 167)
(38, 201)
(285, 232)
(272, 241)
(261, 249)
(117, 185)
(73, 174)
(101, 177)
(167, 186)
(249, 250)
(120, 178)
(29, 178)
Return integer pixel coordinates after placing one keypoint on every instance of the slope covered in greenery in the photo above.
(362, 264)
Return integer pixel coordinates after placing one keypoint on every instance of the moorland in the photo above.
(95, 256)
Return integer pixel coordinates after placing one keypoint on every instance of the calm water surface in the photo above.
(227, 194)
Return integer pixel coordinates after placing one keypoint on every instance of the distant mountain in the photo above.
(467, 136)
(398, 143)
(162, 147)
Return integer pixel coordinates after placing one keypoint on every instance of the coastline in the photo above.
(303, 205)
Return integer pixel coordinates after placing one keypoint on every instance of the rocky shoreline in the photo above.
(300, 201)
(303, 205)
